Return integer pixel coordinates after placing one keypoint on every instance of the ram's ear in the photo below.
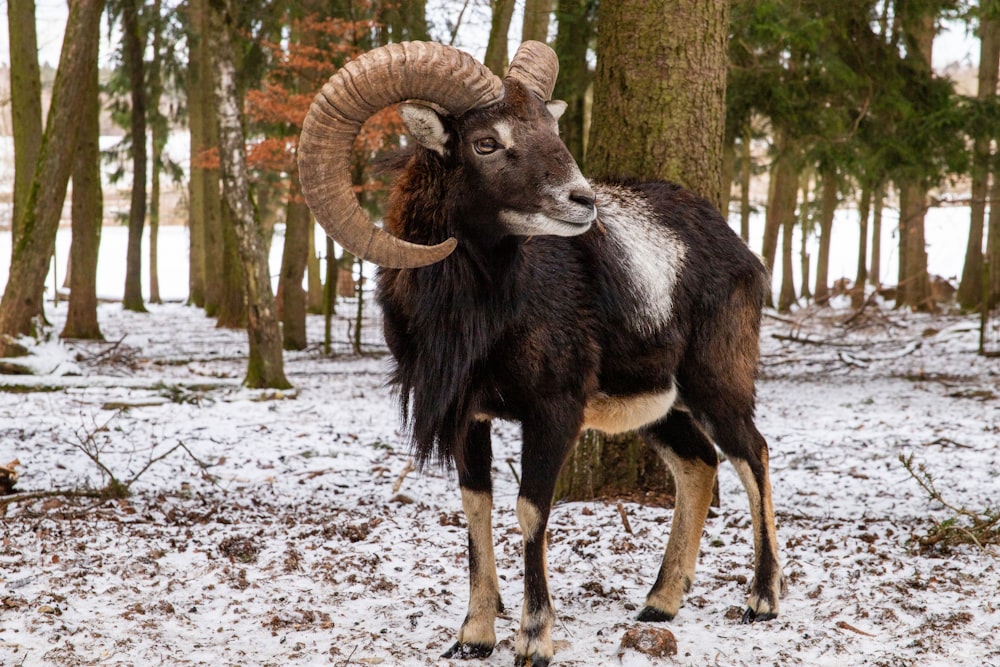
(556, 108)
(424, 125)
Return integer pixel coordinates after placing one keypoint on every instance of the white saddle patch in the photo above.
(618, 414)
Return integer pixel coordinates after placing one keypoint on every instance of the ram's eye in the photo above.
(486, 145)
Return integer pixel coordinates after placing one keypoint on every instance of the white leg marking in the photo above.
(483, 584)
(762, 517)
(694, 481)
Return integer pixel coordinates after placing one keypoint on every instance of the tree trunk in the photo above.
(536, 20)
(786, 296)
(970, 289)
(292, 295)
(134, 47)
(496, 48)
(861, 277)
(658, 92)
(575, 26)
(728, 171)
(993, 246)
(232, 305)
(746, 170)
(828, 207)
(42, 208)
(81, 316)
(914, 283)
(25, 101)
(207, 246)
(158, 141)
(314, 280)
(26, 110)
(914, 289)
(805, 228)
(198, 141)
(265, 367)
(659, 105)
(875, 271)
(781, 194)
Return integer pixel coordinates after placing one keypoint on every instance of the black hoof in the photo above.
(654, 615)
(529, 661)
(750, 616)
(468, 651)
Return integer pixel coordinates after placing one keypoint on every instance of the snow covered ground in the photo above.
(286, 531)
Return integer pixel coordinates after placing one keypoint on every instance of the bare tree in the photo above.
(265, 366)
(39, 219)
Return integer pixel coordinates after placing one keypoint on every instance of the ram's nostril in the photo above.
(582, 197)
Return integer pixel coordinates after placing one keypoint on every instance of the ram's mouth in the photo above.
(542, 224)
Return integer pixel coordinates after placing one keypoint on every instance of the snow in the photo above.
(277, 534)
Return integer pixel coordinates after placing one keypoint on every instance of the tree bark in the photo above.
(134, 47)
(496, 48)
(914, 290)
(25, 101)
(658, 92)
(265, 366)
(786, 295)
(805, 227)
(292, 295)
(158, 140)
(993, 246)
(26, 110)
(314, 280)
(575, 26)
(207, 245)
(536, 20)
(746, 170)
(875, 271)
(81, 316)
(828, 207)
(231, 312)
(198, 141)
(782, 191)
(970, 289)
(43, 206)
(861, 277)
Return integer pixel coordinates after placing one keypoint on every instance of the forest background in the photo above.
(838, 105)
(832, 112)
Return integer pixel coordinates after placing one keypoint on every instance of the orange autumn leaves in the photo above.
(299, 63)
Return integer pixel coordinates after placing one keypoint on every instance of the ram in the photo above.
(513, 288)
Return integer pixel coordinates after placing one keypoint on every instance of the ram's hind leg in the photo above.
(476, 638)
(747, 450)
(693, 462)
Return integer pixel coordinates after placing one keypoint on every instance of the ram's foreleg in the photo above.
(546, 445)
(476, 638)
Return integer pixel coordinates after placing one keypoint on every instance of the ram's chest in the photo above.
(649, 256)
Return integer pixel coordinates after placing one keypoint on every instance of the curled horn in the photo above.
(536, 66)
(425, 71)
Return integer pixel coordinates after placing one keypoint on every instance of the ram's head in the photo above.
(503, 131)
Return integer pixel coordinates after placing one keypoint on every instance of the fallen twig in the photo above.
(844, 625)
(947, 441)
(53, 493)
(399, 480)
(867, 302)
(624, 515)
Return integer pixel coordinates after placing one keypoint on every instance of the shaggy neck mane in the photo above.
(454, 310)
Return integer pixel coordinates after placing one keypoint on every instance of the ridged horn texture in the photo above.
(425, 71)
(536, 66)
